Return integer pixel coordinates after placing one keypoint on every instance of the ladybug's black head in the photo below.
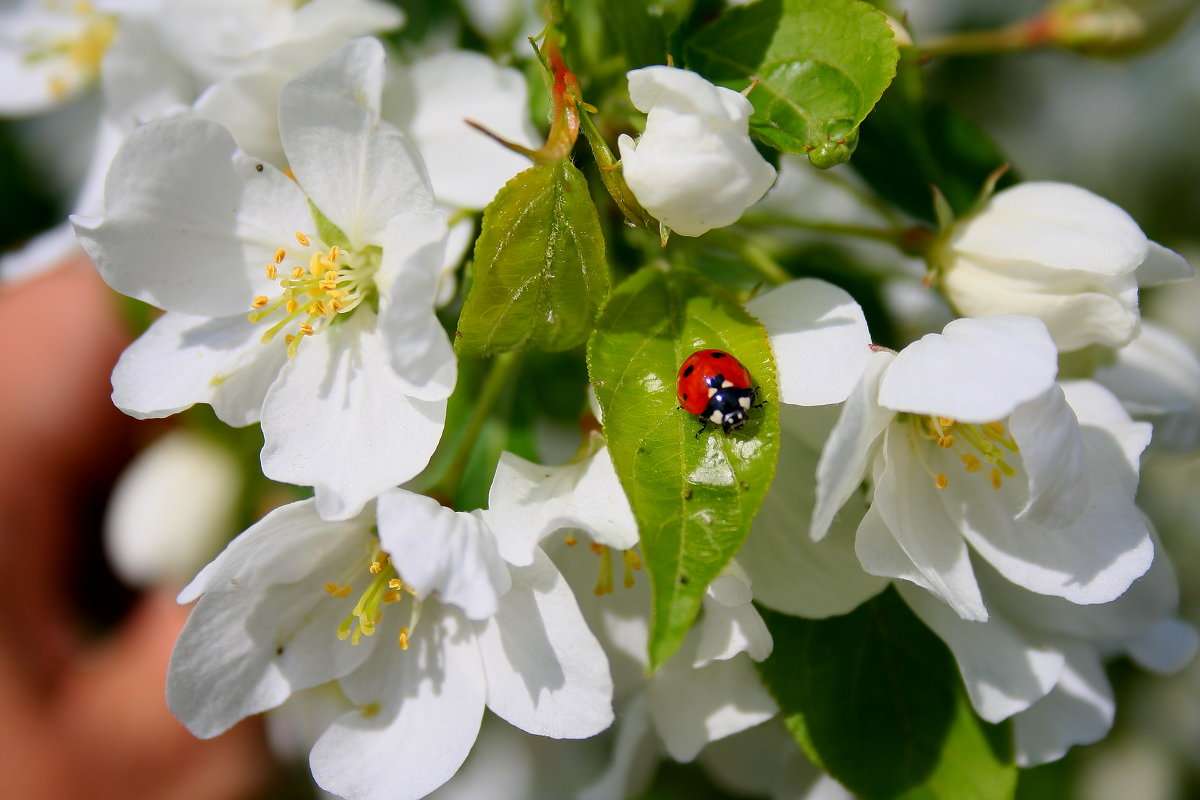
(727, 407)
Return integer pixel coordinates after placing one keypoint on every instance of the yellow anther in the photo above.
(632, 562)
(259, 301)
(289, 338)
(280, 254)
(297, 273)
(604, 585)
(272, 271)
(334, 252)
(337, 591)
(302, 239)
(306, 329)
(376, 567)
(996, 479)
(996, 429)
(570, 541)
(395, 583)
(291, 306)
(946, 441)
(403, 638)
(391, 596)
(971, 463)
(597, 548)
(941, 481)
(945, 422)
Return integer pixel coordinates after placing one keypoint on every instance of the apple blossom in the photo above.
(434, 626)
(347, 368)
(971, 445)
(694, 168)
(1056, 252)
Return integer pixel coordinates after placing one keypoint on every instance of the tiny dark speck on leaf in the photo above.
(687, 494)
(258, 167)
(744, 485)
(279, 650)
(683, 579)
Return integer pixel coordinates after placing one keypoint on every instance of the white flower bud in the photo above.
(695, 167)
(1059, 253)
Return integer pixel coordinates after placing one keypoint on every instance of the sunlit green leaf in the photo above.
(820, 66)
(694, 496)
(540, 272)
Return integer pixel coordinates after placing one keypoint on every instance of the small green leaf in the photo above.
(694, 497)
(821, 65)
(875, 699)
(330, 234)
(909, 145)
(540, 272)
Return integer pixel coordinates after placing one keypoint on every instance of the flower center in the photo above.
(630, 560)
(81, 50)
(982, 449)
(317, 287)
(384, 588)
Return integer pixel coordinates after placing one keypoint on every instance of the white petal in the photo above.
(373, 172)
(182, 360)
(1166, 647)
(1056, 225)
(846, 455)
(819, 337)
(282, 547)
(418, 716)
(528, 502)
(977, 370)
(1108, 430)
(199, 251)
(1157, 377)
(444, 90)
(448, 554)
(727, 629)
(1091, 561)
(792, 573)
(1052, 455)
(545, 671)
(1078, 711)
(681, 90)
(338, 419)
(412, 259)
(692, 707)
(1163, 265)
(908, 505)
(635, 756)
(1005, 671)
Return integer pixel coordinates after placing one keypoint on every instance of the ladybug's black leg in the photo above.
(760, 403)
(703, 425)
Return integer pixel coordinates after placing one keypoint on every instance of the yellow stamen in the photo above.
(996, 480)
(971, 463)
(272, 271)
(570, 541)
(946, 441)
(941, 481)
(632, 562)
(604, 585)
(376, 567)
(280, 254)
(302, 239)
(306, 329)
(403, 639)
(297, 273)
(260, 301)
(334, 252)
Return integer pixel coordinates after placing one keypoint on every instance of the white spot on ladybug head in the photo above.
(726, 384)
(711, 391)
(744, 402)
(716, 417)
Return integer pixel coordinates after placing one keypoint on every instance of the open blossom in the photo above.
(306, 304)
(971, 445)
(1059, 253)
(694, 168)
(411, 611)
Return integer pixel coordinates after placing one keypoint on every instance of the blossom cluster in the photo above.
(309, 205)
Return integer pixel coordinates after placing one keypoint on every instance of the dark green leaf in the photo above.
(540, 273)
(821, 65)
(639, 35)
(910, 145)
(875, 698)
(694, 497)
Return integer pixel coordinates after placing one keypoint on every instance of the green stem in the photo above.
(891, 236)
(1028, 35)
(499, 379)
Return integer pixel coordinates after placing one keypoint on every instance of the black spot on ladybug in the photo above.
(683, 580)
(685, 397)
(690, 369)
(717, 354)
(258, 167)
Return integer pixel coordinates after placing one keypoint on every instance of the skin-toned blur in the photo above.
(83, 662)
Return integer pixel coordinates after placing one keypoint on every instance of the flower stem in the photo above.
(891, 236)
(1028, 35)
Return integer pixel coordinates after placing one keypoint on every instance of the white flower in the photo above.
(1059, 253)
(431, 101)
(1039, 659)
(694, 168)
(171, 510)
(970, 443)
(438, 627)
(347, 369)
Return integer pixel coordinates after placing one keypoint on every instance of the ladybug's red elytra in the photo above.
(716, 387)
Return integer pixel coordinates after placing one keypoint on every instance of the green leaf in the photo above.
(875, 699)
(540, 273)
(639, 34)
(821, 65)
(330, 234)
(910, 145)
(694, 497)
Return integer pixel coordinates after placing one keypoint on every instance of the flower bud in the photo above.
(1115, 27)
(1056, 252)
(695, 167)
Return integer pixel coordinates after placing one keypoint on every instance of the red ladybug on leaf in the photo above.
(716, 387)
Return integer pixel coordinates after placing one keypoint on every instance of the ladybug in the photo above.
(716, 387)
